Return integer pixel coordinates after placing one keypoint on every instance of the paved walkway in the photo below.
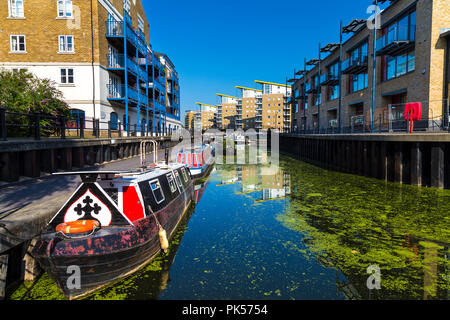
(26, 208)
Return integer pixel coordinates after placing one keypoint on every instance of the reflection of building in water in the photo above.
(272, 184)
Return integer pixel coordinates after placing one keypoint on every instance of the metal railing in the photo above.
(35, 126)
(389, 120)
(397, 34)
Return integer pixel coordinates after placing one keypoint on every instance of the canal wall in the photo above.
(416, 159)
(21, 159)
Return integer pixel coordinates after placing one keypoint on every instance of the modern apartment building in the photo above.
(207, 115)
(99, 55)
(226, 111)
(274, 109)
(259, 109)
(342, 88)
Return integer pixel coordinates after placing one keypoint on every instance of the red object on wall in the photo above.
(413, 111)
(132, 206)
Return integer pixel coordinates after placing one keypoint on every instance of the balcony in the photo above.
(329, 79)
(355, 65)
(117, 92)
(115, 29)
(115, 61)
(397, 40)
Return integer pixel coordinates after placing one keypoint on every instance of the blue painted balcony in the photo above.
(115, 29)
(117, 93)
(397, 39)
(329, 79)
(355, 65)
(115, 61)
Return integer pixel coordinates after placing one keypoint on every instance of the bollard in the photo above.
(109, 129)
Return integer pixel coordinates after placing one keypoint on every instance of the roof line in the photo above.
(245, 88)
(224, 95)
(204, 104)
(272, 83)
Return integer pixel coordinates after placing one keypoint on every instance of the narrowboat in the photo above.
(114, 223)
(199, 160)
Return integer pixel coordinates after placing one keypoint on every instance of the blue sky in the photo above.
(216, 45)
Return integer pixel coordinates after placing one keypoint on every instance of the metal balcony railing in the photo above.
(355, 65)
(115, 61)
(396, 38)
(329, 79)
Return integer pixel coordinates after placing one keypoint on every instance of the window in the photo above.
(18, 43)
(172, 185)
(65, 43)
(358, 82)
(16, 8)
(177, 178)
(157, 191)
(185, 177)
(66, 76)
(334, 92)
(399, 65)
(65, 8)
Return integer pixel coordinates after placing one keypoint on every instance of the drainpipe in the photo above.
(92, 60)
(340, 78)
(446, 87)
(374, 75)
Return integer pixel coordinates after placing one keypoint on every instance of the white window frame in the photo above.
(184, 173)
(66, 76)
(170, 178)
(65, 39)
(65, 10)
(159, 187)
(18, 43)
(12, 13)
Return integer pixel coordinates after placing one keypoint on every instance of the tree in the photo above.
(22, 92)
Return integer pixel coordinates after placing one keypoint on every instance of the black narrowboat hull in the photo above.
(111, 253)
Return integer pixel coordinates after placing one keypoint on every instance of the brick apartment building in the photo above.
(335, 88)
(259, 109)
(99, 55)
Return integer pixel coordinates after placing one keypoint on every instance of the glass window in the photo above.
(157, 191)
(403, 29)
(185, 177)
(16, 8)
(401, 65)
(411, 61)
(172, 185)
(18, 43)
(66, 75)
(64, 8)
(65, 43)
(390, 67)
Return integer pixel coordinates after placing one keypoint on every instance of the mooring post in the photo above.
(398, 163)
(437, 165)
(416, 164)
(3, 273)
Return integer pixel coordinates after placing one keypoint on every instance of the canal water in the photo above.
(297, 232)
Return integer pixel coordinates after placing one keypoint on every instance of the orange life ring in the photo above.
(78, 226)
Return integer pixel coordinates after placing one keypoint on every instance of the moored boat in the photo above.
(199, 160)
(114, 223)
